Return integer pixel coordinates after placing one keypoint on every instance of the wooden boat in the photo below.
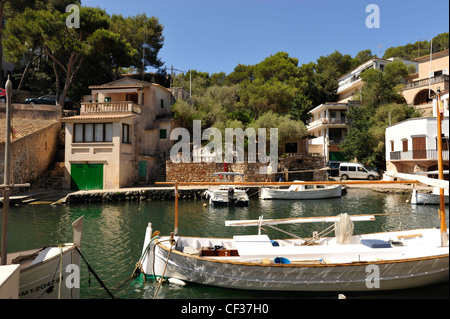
(419, 198)
(302, 192)
(383, 261)
(227, 195)
(50, 272)
(433, 198)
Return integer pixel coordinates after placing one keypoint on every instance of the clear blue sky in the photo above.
(217, 35)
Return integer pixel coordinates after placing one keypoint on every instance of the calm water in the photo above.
(113, 236)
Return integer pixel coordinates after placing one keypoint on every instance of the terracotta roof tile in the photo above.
(23, 127)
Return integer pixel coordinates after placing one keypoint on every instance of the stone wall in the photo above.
(202, 172)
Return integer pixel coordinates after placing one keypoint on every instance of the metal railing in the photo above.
(417, 154)
(425, 82)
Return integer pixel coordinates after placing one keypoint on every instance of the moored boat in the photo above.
(301, 192)
(385, 261)
(227, 195)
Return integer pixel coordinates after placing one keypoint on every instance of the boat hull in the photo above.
(42, 280)
(328, 266)
(280, 277)
(319, 193)
(427, 199)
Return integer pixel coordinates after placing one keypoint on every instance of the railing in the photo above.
(425, 82)
(417, 154)
(110, 107)
(323, 121)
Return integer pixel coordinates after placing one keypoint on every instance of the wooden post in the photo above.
(176, 209)
(444, 235)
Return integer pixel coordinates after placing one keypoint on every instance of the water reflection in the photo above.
(113, 233)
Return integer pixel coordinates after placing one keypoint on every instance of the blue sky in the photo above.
(214, 36)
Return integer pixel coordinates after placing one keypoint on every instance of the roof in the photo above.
(367, 62)
(426, 58)
(126, 82)
(23, 127)
(97, 116)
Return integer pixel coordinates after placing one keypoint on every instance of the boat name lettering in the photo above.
(41, 287)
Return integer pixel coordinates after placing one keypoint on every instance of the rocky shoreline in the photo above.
(137, 195)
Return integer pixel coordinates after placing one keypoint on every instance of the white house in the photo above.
(411, 145)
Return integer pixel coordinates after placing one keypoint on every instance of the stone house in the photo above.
(121, 138)
(433, 74)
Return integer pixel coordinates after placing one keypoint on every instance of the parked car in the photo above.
(2, 96)
(356, 171)
(49, 100)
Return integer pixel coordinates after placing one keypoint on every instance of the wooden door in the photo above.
(419, 147)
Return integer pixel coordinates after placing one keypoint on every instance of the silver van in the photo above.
(355, 171)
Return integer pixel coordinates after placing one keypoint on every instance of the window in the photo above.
(92, 132)
(352, 168)
(392, 146)
(126, 133)
(162, 103)
(405, 145)
(162, 134)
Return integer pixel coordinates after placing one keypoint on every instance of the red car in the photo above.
(2, 96)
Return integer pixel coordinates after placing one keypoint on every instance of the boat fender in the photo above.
(281, 260)
(176, 281)
(275, 243)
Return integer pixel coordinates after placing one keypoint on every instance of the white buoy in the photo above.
(342, 296)
(176, 281)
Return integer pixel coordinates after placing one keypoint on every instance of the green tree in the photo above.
(67, 48)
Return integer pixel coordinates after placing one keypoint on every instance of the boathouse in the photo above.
(120, 138)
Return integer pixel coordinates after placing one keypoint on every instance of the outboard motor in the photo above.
(231, 199)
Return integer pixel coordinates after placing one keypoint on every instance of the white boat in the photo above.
(227, 195)
(45, 273)
(307, 191)
(50, 272)
(368, 262)
(433, 198)
(419, 198)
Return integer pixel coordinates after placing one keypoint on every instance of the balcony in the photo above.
(327, 121)
(417, 155)
(110, 107)
(426, 82)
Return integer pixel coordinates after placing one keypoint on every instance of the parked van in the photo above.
(355, 171)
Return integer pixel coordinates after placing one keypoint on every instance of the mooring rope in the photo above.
(95, 275)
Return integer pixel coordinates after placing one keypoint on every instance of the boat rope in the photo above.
(95, 275)
(138, 268)
(60, 246)
(160, 282)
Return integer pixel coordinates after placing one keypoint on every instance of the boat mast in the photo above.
(439, 117)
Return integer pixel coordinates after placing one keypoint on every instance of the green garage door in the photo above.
(86, 176)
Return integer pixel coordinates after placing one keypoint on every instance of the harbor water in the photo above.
(113, 237)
